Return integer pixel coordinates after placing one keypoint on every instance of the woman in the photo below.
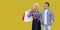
(36, 22)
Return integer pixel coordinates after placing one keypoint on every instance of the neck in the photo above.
(35, 9)
(45, 9)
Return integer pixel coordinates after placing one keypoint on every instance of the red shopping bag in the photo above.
(23, 17)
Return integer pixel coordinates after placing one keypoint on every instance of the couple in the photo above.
(44, 17)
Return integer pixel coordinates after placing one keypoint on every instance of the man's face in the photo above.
(45, 6)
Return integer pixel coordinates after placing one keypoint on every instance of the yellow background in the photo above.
(11, 12)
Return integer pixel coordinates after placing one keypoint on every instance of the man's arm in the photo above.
(41, 17)
(51, 17)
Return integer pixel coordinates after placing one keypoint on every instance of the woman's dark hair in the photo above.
(47, 3)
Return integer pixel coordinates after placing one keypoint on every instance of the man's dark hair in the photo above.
(47, 3)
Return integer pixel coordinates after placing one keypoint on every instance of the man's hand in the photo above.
(51, 23)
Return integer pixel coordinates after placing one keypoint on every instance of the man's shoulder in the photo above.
(50, 10)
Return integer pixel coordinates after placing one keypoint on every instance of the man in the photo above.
(46, 17)
(35, 23)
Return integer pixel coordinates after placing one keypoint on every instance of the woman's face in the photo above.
(36, 6)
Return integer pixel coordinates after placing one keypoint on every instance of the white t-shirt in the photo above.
(45, 18)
